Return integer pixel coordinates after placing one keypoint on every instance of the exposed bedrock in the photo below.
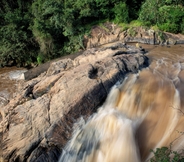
(38, 122)
(100, 35)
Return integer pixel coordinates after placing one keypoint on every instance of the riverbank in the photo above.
(109, 32)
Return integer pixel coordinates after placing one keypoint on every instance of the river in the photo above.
(144, 112)
(10, 77)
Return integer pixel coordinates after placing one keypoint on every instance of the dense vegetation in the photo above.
(35, 31)
(168, 15)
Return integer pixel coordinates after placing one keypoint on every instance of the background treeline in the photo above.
(35, 31)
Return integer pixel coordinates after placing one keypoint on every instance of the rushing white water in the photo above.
(107, 136)
(144, 112)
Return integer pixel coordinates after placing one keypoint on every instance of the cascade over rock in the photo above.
(38, 121)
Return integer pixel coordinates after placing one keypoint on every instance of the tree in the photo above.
(47, 27)
(121, 12)
(167, 15)
(17, 45)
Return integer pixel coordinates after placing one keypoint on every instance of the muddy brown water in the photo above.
(9, 81)
(144, 112)
(161, 87)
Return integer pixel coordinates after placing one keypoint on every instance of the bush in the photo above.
(124, 26)
(165, 154)
(167, 15)
(132, 32)
(155, 28)
(121, 12)
(149, 12)
(136, 23)
(169, 27)
(17, 44)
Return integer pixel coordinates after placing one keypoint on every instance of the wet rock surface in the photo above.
(38, 121)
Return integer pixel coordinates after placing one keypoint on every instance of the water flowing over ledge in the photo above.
(107, 136)
(144, 112)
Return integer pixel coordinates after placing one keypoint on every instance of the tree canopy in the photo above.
(168, 15)
(39, 30)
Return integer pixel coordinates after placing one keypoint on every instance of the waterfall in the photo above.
(108, 135)
(145, 111)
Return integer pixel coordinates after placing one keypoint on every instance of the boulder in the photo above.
(38, 122)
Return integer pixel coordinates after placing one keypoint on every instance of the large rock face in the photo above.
(38, 122)
(109, 32)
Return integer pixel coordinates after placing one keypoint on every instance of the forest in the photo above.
(36, 31)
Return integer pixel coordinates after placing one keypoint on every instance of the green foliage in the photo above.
(165, 154)
(161, 155)
(104, 27)
(131, 26)
(161, 35)
(182, 26)
(136, 23)
(167, 15)
(17, 44)
(171, 18)
(105, 8)
(155, 28)
(40, 58)
(37, 31)
(74, 45)
(149, 11)
(47, 28)
(169, 27)
(121, 12)
(124, 26)
(132, 32)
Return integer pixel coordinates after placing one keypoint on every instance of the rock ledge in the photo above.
(38, 122)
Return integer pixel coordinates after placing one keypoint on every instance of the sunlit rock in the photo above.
(39, 120)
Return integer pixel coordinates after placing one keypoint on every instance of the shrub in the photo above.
(17, 44)
(124, 26)
(136, 23)
(165, 154)
(149, 12)
(155, 28)
(132, 32)
(169, 27)
(121, 12)
(167, 15)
